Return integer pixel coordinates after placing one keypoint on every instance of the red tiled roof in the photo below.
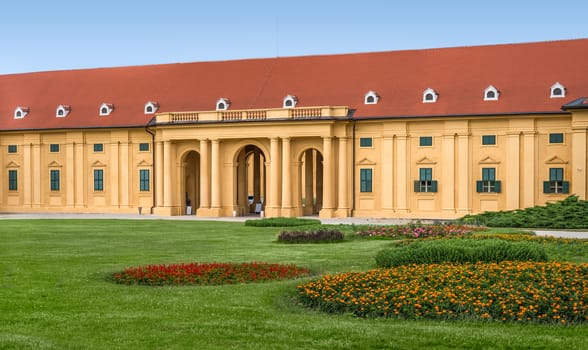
(523, 73)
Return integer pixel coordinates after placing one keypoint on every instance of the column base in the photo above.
(327, 213)
(208, 212)
(163, 211)
(272, 212)
(343, 213)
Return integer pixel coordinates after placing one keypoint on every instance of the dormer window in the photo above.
(106, 109)
(222, 104)
(491, 93)
(430, 96)
(558, 91)
(371, 98)
(62, 111)
(21, 112)
(151, 107)
(290, 101)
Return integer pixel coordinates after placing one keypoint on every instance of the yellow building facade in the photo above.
(331, 160)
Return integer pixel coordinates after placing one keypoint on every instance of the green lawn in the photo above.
(54, 294)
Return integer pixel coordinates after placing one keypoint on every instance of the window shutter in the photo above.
(434, 186)
(497, 186)
(565, 187)
(546, 186)
(417, 186)
(479, 186)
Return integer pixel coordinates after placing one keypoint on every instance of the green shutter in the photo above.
(497, 187)
(434, 186)
(565, 187)
(417, 186)
(479, 186)
(546, 186)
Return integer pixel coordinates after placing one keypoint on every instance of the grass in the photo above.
(54, 294)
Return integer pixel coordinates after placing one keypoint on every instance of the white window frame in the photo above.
(153, 105)
(491, 89)
(225, 102)
(289, 98)
(64, 111)
(556, 86)
(109, 108)
(373, 95)
(431, 92)
(21, 112)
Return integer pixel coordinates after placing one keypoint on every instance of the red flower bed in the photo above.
(207, 273)
(418, 231)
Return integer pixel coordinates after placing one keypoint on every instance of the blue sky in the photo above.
(61, 34)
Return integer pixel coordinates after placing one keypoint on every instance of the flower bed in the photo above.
(313, 236)
(507, 291)
(207, 273)
(418, 231)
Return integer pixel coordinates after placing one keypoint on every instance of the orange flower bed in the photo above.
(508, 291)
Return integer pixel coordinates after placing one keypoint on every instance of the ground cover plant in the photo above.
(282, 222)
(311, 236)
(507, 291)
(459, 251)
(570, 213)
(206, 273)
(54, 294)
(416, 230)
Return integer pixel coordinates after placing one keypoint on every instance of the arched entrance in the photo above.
(191, 176)
(250, 194)
(311, 181)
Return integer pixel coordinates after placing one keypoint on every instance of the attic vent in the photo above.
(558, 91)
(491, 93)
(430, 96)
(106, 109)
(62, 111)
(222, 104)
(371, 98)
(21, 112)
(290, 101)
(151, 107)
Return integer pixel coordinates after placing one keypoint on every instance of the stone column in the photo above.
(114, 174)
(308, 183)
(215, 179)
(448, 178)
(125, 177)
(167, 180)
(387, 175)
(528, 169)
(286, 209)
(511, 187)
(27, 175)
(204, 175)
(274, 199)
(578, 168)
(463, 174)
(402, 174)
(80, 171)
(159, 164)
(69, 174)
(328, 178)
(343, 209)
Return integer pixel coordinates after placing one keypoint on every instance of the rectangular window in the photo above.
(365, 180)
(12, 148)
(144, 180)
(425, 183)
(144, 147)
(12, 180)
(556, 183)
(488, 140)
(98, 180)
(54, 148)
(54, 180)
(98, 147)
(488, 182)
(365, 142)
(425, 141)
(556, 138)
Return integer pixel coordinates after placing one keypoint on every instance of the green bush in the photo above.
(282, 222)
(460, 251)
(570, 213)
(314, 236)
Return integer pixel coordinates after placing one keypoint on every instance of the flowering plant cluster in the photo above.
(508, 291)
(418, 231)
(207, 273)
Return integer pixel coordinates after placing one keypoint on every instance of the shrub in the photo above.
(282, 222)
(568, 213)
(460, 251)
(508, 291)
(314, 236)
(417, 231)
(206, 273)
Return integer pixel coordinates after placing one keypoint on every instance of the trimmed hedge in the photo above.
(315, 236)
(460, 251)
(569, 213)
(282, 222)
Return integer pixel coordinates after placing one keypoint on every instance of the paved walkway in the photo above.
(349, 221)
